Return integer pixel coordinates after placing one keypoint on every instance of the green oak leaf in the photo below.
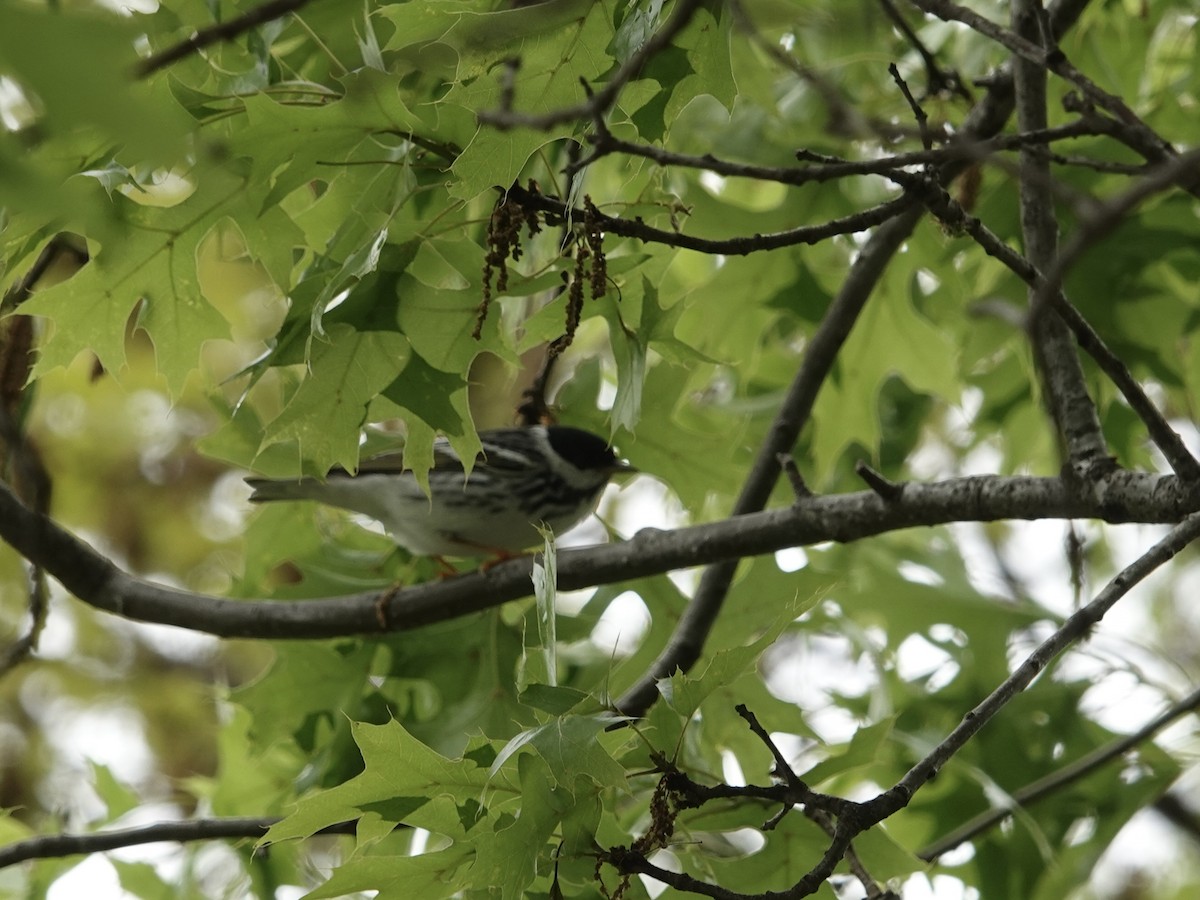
(395, 764)
(153, 261)
(347, 371)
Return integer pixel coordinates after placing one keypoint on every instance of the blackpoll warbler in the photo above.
(524, 477)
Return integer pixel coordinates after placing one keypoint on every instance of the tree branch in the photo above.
(222, 31)
(936, 80)
(50, 846)
(844, 118)
(1173, 808)
(1067, 399)
(959, 149)
(1161, 433)
(1106, 217)
(603, 100)
(855, 818)
(687, 641)
(20, 458)
(1074, 629)
(1052, 58)
(1126, 497)
(738, 246)
(1044, 787)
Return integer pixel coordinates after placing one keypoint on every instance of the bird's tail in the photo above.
(267, 489)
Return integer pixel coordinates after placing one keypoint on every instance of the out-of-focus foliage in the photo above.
(287, 236)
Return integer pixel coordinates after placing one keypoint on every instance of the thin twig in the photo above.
(890, 491)
(800, 490)
(603, 99)
(1076, 628)
(738, 246)
(1180, 171)
(222, 31)
(844, 118)
(1044, 787)
(1158, 150)
(783, 769)
(50, 846)
(936, 78)
(828, 168)
(1099, 165)
(918, 113)
(1159, 429)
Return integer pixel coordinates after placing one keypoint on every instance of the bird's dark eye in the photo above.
(580, 448)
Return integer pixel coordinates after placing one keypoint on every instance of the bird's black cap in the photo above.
(583, 449)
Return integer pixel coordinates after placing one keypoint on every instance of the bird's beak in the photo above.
(620, 467)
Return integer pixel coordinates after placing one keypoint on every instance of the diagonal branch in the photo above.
(687, 642)
(1161, 433)
(937, 80)
(1068, 774)
(1075, 629)
(857, 818)
(1027, 50)
(603, 100)
(1165, 437)
(1107, 216)
(222, 31)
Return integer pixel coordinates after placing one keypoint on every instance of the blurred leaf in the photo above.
(399, 768)
(86, 81)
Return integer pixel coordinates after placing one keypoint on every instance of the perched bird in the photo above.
(524, 477)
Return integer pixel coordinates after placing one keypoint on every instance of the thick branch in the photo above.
(687, 641)
(1067, 398)
(1127, 497)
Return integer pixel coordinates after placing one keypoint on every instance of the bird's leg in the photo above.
(445, 567)
(381, 606)
(497, 557)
